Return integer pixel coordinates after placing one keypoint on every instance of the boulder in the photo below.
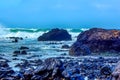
(53, 63)
(106, 70)
(96, 40)
(55, 35)
(116, 72)
(16, 52)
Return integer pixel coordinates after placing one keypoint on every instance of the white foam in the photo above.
(24, 34)
(84, 29)
(6, 32)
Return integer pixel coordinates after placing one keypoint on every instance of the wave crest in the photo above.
(31, 33)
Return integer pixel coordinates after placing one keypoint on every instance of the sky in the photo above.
(60, 13)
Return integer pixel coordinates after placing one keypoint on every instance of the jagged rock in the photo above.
(28, 74)
(40, 69)
(36, 77)
(116, 72)
(53, 63)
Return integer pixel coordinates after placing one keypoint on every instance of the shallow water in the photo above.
(37, 49)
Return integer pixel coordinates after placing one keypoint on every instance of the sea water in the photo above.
(39, 49)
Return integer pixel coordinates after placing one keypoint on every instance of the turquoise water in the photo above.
(39, 30)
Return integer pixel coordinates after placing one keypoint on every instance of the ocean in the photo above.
(38, 49)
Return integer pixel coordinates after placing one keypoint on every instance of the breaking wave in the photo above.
(31, 33)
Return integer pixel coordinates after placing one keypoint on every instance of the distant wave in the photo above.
(43, 30)
(27, 30)
(31, 33)
(78, 30)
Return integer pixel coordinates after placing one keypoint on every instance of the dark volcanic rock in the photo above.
(55, 35)
(53, 63)
(65, 47)
(57, 69)
(15, 39)
(23, 52)
(96, 40)
(16, 52)
(20, 38)
(5, 71)
(19, 52)
(106, 70)
(36, 77)
(23, 47)
(48, 70)
(4, 64)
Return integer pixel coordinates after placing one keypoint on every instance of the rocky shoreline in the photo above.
(75, 66)
(60, 68)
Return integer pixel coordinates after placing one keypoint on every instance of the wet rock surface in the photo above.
(96, 40)
(5, 71)
(55, 35)
(60, 69)
(116, 72)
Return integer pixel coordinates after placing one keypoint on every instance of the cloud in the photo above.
(102, 6)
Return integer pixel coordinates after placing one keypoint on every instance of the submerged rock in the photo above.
(16, 52)
(23, 47)
(15, 39)
(65, 46)
(23, 52)
(55, 35)
(96, 40)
